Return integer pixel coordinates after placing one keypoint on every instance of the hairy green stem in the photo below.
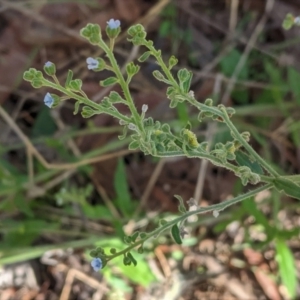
(86, 101)
(213, 110)
(124, 86)
(201, 210)
(245, 144)
(211, 158)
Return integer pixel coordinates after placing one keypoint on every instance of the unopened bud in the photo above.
(131, 126)
(191, 94)
(144, 108)
(215, 213)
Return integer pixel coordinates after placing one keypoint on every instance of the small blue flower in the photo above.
(48, 64)
(96, 264)
(113, 24)
(92, 63)
(48, 100)
(297, 21)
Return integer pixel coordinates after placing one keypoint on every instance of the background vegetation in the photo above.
(67, 184)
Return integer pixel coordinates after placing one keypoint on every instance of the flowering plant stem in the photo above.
(123, 84)
(201, 210)
(222, 114)
(157, 139)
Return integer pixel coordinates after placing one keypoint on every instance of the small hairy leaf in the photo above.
(144, 56)
(134, 145)
(109, 81)
(244, 160)
(129, 255)
(176, 234)
(69, 78)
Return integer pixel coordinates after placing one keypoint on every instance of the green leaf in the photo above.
(37, 83)
(287, 270)
(288, 187)
(173, 102)
(88, 112)
(251, 207)
(127, 239)
(44, 124)
(77, 104)
(23, 205)
(144, 56)
(172, 62)
(176, 234)
(181, 206)
(165, 28)
(135, 235)
(288, 22)
(141, 275)
(244, 160)
(228, 65)
(129, 255)
(160, 77)
(185, 79)
(123, 199)
(109, 81)
(69, 78)
(293, 81)
(75, 85)
(124, 134)
(132, 69)
(115, 97)
(134, 145)
(183, 75)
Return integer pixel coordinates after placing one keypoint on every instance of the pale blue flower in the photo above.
(96, 264)
(113, 24)
(48, 64)
(297, 21)
(92, 63)
(48, 100)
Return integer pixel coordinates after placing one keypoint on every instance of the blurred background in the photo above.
(68, 184)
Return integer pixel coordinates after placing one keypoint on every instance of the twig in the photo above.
(150, 185)
(62, 166)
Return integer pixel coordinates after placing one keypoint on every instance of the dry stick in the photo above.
(64, 166)
(74, 274)
(107, 200)
(30, 166)
(233, 16)
(14, 115)
(250, 45)
(150, 185)
(60, 124)
(209, 138)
